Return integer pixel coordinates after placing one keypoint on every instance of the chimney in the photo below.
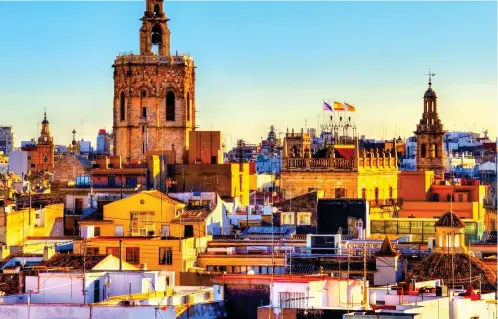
(48, 252)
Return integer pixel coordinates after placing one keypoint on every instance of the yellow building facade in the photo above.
(17, 226)
(340, 170)
(143, 230)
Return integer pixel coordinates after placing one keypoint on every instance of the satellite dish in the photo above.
(23, 262)
(277, 310)
(250, 272)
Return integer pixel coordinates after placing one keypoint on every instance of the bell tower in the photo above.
(430, 136)
(154, 93)
(154, 33)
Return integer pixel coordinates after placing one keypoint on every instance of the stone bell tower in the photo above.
(154, 93)
(430, 136)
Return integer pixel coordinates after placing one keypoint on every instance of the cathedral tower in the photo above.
(154, 93)
(430, 136)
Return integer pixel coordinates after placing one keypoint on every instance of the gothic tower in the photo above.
(430, 136)
(154, 93)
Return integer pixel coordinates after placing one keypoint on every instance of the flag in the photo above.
(327, 107)
(349, 107)
(338, 106)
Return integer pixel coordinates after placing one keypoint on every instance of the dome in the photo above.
(45, 121)
(430, 93)
(439, 266)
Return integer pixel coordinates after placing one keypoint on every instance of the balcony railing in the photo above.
(386, 202)
(318, 163)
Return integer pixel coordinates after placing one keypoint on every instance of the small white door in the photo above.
(119, 231)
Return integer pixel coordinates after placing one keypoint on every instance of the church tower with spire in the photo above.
(430, 136)
(154, 93)
(41, 154)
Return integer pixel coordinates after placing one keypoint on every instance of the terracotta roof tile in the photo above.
(450, 220)
(9, 284)
(439, 266)
(192, 215)
(73, 261)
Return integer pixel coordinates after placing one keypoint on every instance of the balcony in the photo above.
(386, 202)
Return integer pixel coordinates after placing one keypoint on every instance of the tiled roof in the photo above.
(387, 249)
(73, 261)
(439, 266)
(450, 220)
(158, 194)
(9, 284)
(192, 215)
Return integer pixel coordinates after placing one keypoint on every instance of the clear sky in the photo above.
(258, 63)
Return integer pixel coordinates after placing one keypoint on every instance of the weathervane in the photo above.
(430, 75)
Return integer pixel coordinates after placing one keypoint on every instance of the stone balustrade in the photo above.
(153, 59)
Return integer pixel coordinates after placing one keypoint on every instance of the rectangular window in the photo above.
(364, 193)
(165, 256)
(112, 251)
(142, 224)
(144, 112)
(340, 192)
(119, 231)
(32, 165)
(390, 192)
(111, 180)
(96, 232)
(131, 181)
(92, 251)
(133, 255)
(213, 160)
(304, 218)
(460, 197)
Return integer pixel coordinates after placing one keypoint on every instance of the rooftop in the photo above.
(73, 261)
(450, 220)
(192, 215)
(455, 266)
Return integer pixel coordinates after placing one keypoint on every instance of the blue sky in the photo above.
(258, 63)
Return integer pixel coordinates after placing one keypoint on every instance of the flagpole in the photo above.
(323, 115)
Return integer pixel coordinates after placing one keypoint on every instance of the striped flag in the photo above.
(327, 107)
(338, 106)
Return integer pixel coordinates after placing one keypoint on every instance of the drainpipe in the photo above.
(120, 255)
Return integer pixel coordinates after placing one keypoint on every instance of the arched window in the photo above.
(423, 150)
(157, 11)
(122, 106)
(188, 106)
(170, 106)
(156, 39)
